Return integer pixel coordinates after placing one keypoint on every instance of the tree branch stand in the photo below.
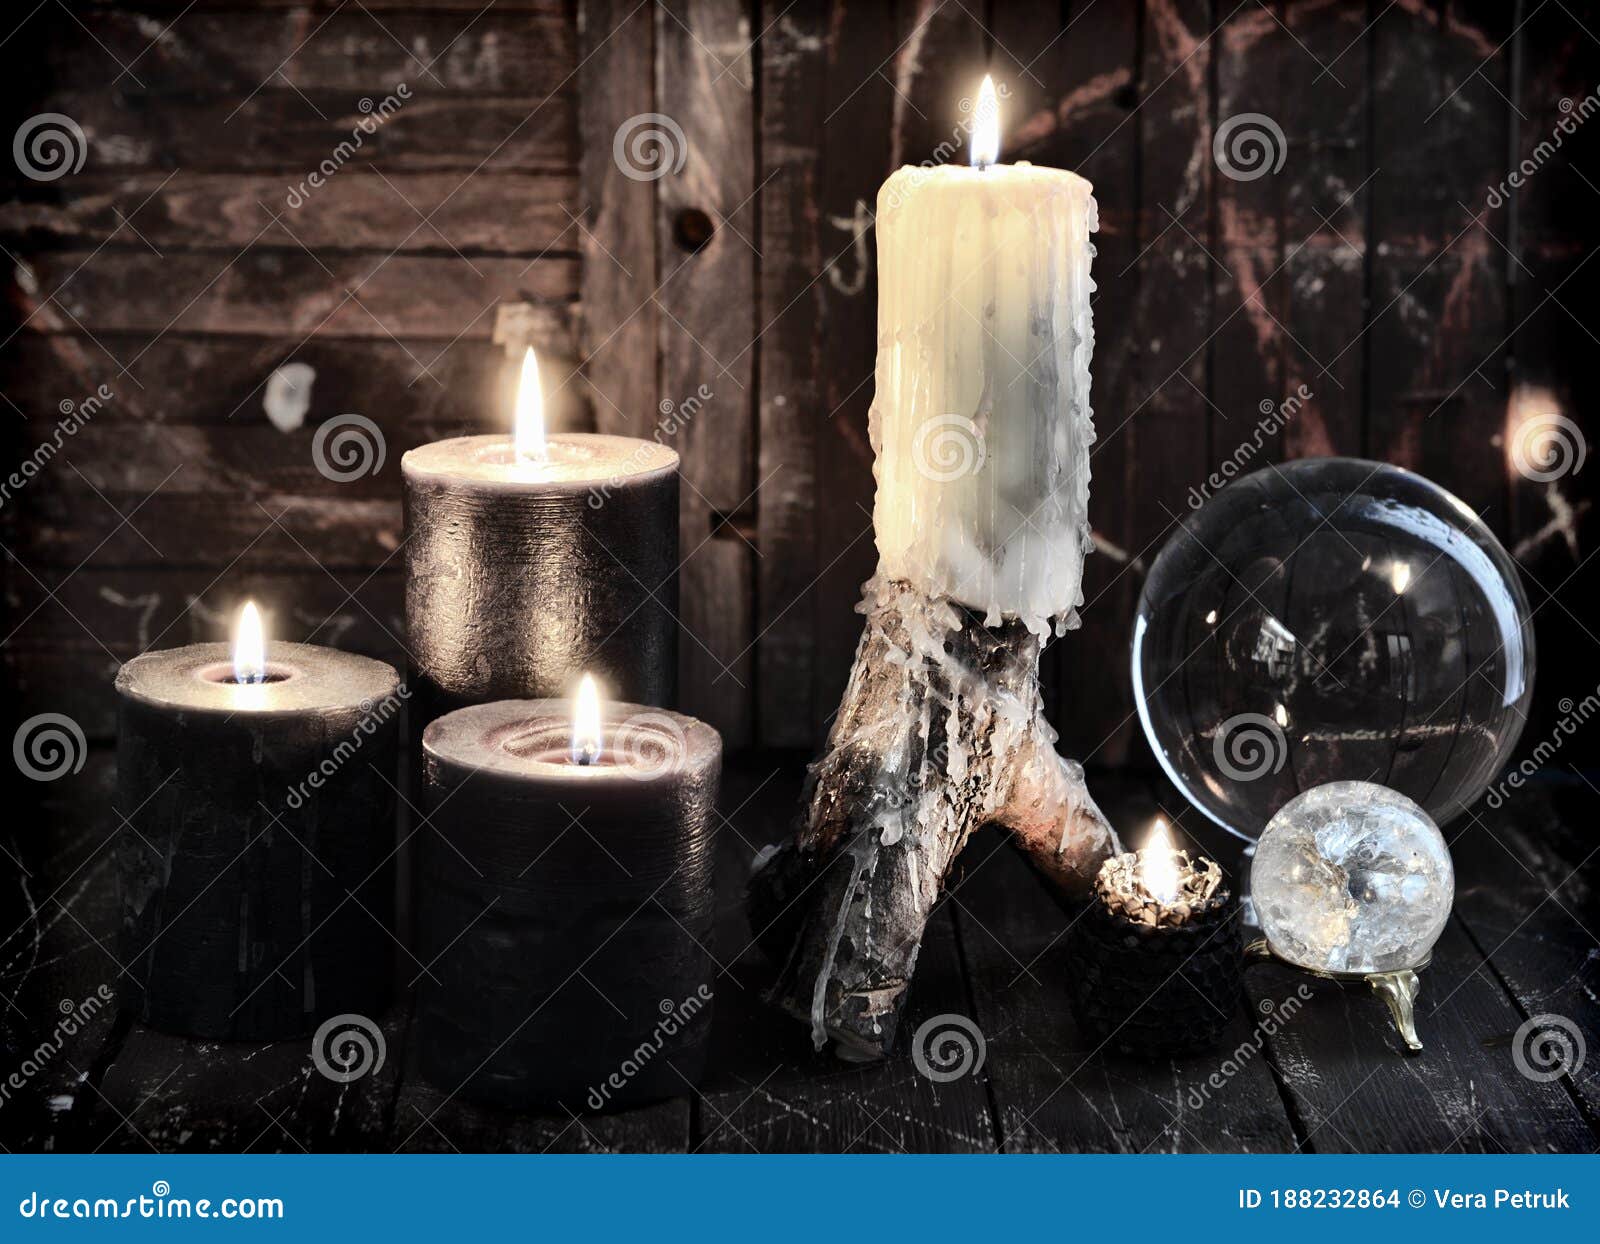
(941, 731)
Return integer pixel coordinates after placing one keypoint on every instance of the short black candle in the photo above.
(255, 862)
(566, 908)
(1156, 975)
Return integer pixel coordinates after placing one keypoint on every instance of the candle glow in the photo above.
(1158, 865)
(528, 430)
(985, 147)
(249, 647)
(586, 723)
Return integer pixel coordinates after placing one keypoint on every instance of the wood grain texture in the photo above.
(1323, 109)
(1258, 66)
(211, 381)
(705, 82)
(167, 9)
(1357, 1090)
(616, 78)
(1163, 419)
(500, 214)
(59, 917)
(1438, 324)
(233, 52)
(427, 1119)
(1473, 319)
(858, 153)
(1549, 425)
(1327, 1076)
(769, 1090)
(1529, 907)
(165, 1094)
(172, 267)
(266, 291)
(1054, 1090)
(290, 132)
(790, 305)
(73, 529)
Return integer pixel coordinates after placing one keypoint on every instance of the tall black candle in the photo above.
(254, 863)
(566, 904)
(521, 572)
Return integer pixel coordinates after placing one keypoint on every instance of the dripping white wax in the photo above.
(981, 421)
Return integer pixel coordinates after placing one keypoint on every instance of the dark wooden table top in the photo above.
(1331, 1075)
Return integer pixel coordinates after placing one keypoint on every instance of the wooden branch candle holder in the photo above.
(981, 427)
(938, 734)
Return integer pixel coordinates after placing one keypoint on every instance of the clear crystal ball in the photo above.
(1328, 620)
(1352, 877)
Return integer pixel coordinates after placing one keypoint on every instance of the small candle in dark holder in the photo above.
(1156, 958)
(531, 557)
(253, 860)
(566, 901)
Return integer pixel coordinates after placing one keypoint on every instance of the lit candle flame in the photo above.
(529, 426)
(249, 646)
(985, 149)
(586, 723)
(1158, 865)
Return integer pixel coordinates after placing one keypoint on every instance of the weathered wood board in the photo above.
(724, 300)
(1306, 1065)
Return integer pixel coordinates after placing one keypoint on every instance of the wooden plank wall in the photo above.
(186, 262)
(1370, 268)
(732, 296)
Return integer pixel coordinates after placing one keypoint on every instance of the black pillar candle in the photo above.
(254, 863)
(566, 907)
(520, 573)
(1156, 959)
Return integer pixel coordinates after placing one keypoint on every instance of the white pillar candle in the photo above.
(981, 422)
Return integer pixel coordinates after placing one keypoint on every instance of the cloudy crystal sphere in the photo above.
(1327, 620)
(1352, 877)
